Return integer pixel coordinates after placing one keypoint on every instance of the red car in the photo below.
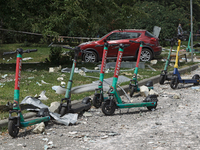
(123, 36)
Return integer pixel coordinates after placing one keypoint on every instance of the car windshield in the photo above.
(104, 36)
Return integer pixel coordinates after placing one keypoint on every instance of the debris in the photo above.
(82, 73)
(45, 139)
(42, 96)
(87, 114)
(177, 96)
(43, 82)
(38, 83)
(60, 78)
(31, 78)
(127, 73)
(27, 58)
(96, 68)
(104, 137)
(144, 90)
(151, 68)
(152, 92)
(153, 62)
(54, 69)
(73, 132)
(39, 128)
(62, 83)
(54, 107)
(4, 76)
(158, 123)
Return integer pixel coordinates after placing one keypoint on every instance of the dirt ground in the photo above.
(174, 125)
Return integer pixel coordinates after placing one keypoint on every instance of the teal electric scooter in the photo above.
(164, 75)
(16, 122)
(65, 105)
(98, 96)
(114, 100)
(133, 86)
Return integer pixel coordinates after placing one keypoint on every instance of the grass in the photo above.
(40, 71)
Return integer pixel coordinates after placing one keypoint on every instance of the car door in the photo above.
(130, 51)
(116, 37)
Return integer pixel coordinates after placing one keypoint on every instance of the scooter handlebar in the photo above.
(21, 51)
(30, 50)
(9, 53)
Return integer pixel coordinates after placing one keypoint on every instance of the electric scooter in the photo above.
(164, 76)
(16, 122)
(65, 105)
(133, 86)
(176, 78)
(114, 101)
(98, 96)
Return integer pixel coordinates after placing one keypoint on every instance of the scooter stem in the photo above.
(177, 53)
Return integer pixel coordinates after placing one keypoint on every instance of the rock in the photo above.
(158, 123)
(60, 78)
(96, 68)
(87, 114)
(39, 128)
(144, 91)
(152, 92)
(153, 62)
(177, 96)
(54, 107)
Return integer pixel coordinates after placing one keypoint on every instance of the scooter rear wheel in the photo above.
(152, 107)
(12, 129)
(196, 77)
(108, 107)
(174, 82)
(97, 101)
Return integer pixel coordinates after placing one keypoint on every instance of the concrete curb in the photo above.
(155, 80)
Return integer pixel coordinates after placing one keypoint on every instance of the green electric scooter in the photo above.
(133, 86)
(65, 105)
(17, 121)
(98, 96)
(114, 100)
(164, 75)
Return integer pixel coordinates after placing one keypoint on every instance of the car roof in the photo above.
(129, 30)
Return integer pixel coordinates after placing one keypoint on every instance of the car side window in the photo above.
(115, 36)
(134, 35)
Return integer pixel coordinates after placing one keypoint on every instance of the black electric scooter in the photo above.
(65, 105)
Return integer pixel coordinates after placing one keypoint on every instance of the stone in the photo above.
(144, 91)
(39, 128)
(152, 92)
(54, 107)
(153, 62)
(176, 96)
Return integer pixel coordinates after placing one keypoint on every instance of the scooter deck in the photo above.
(136, 104)
(188, 81)
(34, 120)
(78, 107)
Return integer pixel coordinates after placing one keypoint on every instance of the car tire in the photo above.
(146, 55)
(90, 57)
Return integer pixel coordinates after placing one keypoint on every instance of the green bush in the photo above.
(55, 55)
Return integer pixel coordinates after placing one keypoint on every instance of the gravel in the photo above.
(173, 125)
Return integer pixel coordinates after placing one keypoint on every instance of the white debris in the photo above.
(39, 128)
(144, 90)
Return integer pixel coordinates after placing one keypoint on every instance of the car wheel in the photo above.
(146, 55)
(90, 57)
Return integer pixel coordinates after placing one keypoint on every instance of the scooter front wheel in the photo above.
(174, 82)
(132, 91)
(108, 107)
(63, 111)
(97, 101)
(152, 107)
(13, 130)
(162, 79)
